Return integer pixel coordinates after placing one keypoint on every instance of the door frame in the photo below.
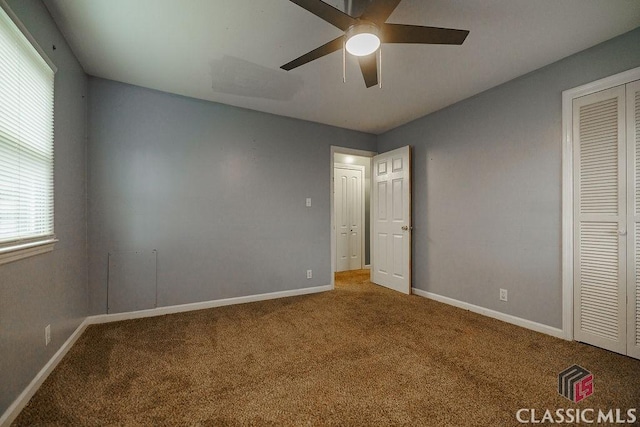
(362, 215)
(567, 186)
(352, 152)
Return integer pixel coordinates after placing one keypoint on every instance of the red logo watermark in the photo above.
(575, 383)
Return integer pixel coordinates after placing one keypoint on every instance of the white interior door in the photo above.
(633, 196)
(349, 216)
(600, 219)
(391, 210)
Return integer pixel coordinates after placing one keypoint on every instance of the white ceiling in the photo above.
(230, 51)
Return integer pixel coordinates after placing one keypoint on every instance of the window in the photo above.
(26, 145)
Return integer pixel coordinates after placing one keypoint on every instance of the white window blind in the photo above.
(26, 140)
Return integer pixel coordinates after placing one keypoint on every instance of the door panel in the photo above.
(382, 195)
(342, 224)
(391, 263)
(600, 219)
(398, 202)
(356, 214)
(398, 256)
(633, 196)
(381, 259)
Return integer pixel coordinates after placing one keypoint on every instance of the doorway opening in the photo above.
(350, 210)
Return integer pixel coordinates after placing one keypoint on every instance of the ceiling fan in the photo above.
(363, 35)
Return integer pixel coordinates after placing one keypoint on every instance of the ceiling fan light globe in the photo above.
(362, 44)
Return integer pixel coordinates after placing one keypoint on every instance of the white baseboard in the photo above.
(23, 399)
(171, 309)
(528, 324)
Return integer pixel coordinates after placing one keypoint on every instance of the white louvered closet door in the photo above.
(600, 218)
(633, 246)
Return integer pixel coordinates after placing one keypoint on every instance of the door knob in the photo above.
(405, 228)
(622, 232)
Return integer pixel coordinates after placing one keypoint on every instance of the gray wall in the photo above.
(488, 187)
(219, 191)
(50, 288)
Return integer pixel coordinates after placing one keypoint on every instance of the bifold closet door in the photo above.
(600, 219)
(633, 245)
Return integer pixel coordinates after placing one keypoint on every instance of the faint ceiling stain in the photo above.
(237, 76)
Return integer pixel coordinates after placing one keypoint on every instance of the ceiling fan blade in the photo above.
(329, 13)
(398, 33)
(323, 50)
(369, 68)
(380, 10)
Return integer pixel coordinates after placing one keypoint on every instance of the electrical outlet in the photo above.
(503, 295)
(309, 274)
(308, 202)
(47, 335)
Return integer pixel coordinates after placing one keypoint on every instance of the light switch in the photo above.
(308, 201)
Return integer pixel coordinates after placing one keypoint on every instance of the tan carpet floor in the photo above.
(359, 355)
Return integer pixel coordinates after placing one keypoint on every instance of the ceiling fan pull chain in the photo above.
(344, 61)
(380, 66)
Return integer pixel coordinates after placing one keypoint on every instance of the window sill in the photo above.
(20, 251)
